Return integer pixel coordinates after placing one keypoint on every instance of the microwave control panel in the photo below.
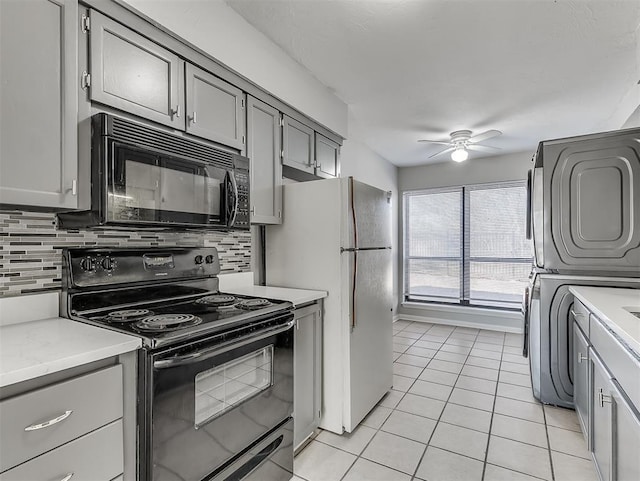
(241, 174)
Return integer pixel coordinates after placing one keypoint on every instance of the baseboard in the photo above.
(448, 322)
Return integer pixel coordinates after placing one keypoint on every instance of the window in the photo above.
(467, 245)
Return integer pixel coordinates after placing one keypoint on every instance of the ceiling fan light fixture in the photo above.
(460, 154)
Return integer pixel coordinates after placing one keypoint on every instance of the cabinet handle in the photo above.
(176, 112)
(582, 358)
(50, 422)
(604, 398)
(74, 187)
(67, 477)
(193, 118)
(253, 210)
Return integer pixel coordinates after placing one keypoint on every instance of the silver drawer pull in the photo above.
(67, 477)
(582, 358)
(576, 314)
(50, 422)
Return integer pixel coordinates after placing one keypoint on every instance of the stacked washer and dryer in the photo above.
(584, 219)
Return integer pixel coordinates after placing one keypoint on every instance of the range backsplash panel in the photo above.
(31, 250)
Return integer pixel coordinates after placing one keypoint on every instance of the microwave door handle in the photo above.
(236, 200)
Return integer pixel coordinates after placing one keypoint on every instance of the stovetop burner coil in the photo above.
(252, 304)
(127, 315)
(167, 322)
(217, 300)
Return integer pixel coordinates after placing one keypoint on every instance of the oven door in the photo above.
(144, 187)
(212, 400)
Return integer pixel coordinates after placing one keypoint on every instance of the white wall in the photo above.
(633, 120)
(359, 161)
(473, 171)
(446, 174)
(218, 30)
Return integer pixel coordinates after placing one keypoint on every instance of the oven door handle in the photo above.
(220, 348)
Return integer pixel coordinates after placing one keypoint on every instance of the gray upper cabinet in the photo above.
(327, 157)
(215, 108)
(298, 145)
(131, 73)
(263, 148)
(38, 127)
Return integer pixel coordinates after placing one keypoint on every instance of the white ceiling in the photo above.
(412, 69)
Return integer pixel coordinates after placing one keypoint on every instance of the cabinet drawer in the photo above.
(581, 315)
(88, 401)
(624, 366)
(94, 457)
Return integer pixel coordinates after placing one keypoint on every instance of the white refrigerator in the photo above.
(336, 237)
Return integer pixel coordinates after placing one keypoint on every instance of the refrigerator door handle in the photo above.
(529, 200)
(359, 249)
(354, 273)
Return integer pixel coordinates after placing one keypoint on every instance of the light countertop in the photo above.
(610, 306)
(243, 284)
(34, 347)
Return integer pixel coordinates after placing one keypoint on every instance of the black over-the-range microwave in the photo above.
(146, 177)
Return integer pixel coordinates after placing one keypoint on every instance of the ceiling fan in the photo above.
(461, 142)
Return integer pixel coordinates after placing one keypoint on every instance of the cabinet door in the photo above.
(626, 437)
(38, 126)
(581, 391)
(215, 109)
(327, 157)
(134, 74)
(298, 145)
(263, 148)
(307, 375)
(601, 417)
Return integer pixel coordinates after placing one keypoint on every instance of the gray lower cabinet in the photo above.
(96, 456)
(625, 436)
(59, 431)
(327, 157)
(263, 148)
(600, 417)
(581, 379)
(215, 108)
(298, 145)
(307, 372)
(609, 420)
(38, 127)
(134, 74)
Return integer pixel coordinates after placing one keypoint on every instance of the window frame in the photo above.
(465, 258)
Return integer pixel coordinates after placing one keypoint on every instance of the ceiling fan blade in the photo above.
(449, 149)
(483, 148)
(434, 141)
(489, 134)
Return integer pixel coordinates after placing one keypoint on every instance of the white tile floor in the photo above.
(461, 409)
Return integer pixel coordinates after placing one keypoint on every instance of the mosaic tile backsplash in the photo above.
(32, 243)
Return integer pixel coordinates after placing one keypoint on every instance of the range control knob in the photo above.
(88, 264)
(199, 259)
(107, 263)
(209, 259)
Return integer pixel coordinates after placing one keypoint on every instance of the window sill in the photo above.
(501, 313)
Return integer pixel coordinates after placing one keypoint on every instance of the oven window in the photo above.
(227, 385)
